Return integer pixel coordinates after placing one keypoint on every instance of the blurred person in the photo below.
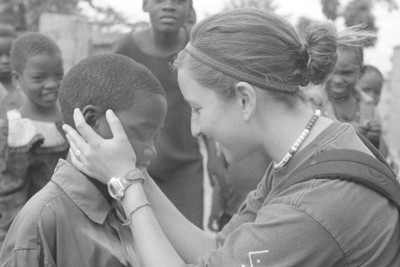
(177, 169)
(231, 182)
(10, 96)
(371, 83)
(343, 102)
(31, 140)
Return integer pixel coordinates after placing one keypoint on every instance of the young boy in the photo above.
(177, 169)
(10, 96)
(371, 83)
(31, 139)
(73, 221)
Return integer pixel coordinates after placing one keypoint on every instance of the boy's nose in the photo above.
(169, 5)
(52, 83)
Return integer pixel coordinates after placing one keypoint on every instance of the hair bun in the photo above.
(320, 47)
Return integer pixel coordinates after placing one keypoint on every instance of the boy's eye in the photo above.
(138, 134)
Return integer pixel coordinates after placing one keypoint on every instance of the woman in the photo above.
(240, 73)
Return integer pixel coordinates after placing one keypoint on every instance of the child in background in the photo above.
(343, 102)
(31, 140)
(371, 83)
(10, 96)
(73, 221)
(177, 169)
(231, 182)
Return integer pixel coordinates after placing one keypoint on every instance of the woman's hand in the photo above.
(100, 158)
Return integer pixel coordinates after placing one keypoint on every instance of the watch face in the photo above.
(115, 188)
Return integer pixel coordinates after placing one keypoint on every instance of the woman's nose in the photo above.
(195, 128)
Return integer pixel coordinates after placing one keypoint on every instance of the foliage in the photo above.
(330, 8)
(302, 25)
(356, 12)
(260, 4)
(25, 14)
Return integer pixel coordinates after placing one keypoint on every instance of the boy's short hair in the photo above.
(28, 45)
(108, 81)
(7, 30)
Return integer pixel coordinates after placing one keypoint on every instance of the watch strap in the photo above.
(135, 175)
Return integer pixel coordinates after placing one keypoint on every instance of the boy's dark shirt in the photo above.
(177, 169)
(68, 223)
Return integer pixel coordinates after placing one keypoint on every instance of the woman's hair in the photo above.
(265, 45)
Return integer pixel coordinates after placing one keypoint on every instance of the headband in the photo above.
(262, 82)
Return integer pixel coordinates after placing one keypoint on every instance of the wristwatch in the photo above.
(117, 185)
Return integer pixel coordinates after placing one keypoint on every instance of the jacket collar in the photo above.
(81, 191)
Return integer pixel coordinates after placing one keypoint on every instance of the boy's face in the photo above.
(347, 71)
(41, 78)
(371, 83)
(142, 124)
(167, 15)
(5, 65)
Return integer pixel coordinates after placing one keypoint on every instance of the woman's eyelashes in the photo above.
(145, 135)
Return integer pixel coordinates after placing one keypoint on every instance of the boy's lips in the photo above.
(168, 19)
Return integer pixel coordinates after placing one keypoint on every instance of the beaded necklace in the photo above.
(299, 141)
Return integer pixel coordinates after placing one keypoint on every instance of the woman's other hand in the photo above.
(100, 158)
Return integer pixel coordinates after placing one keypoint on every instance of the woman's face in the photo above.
(213, 116)
(342, 80)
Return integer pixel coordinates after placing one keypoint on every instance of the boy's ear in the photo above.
(144, 5)
(91, 115)
(247, 99)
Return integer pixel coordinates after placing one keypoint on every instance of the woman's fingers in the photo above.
(75, 140)
(84, 129)
(116, 127)
(77, 163)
